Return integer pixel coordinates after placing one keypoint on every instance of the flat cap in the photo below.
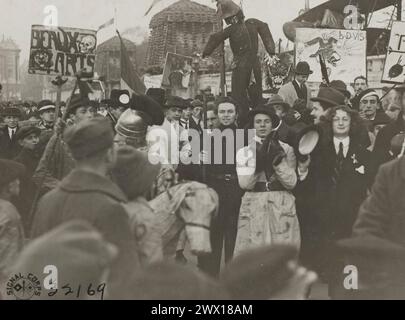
(89, 137)
(26, 131)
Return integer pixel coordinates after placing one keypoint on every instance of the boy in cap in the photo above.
(11, 229)
(8, 145)
(87, 194)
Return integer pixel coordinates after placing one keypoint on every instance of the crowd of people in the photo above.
(119, 194)
(82, 183)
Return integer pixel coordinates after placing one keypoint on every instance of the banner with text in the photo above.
(344, 52)
(61, 51)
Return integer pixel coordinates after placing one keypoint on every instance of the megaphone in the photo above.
(303, 138)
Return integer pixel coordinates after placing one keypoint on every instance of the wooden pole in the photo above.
(222, 67)
(399, 10)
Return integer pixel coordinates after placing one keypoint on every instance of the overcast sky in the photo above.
(17, 16)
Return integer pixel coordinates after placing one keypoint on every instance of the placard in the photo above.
(344, 52)
(61, 51)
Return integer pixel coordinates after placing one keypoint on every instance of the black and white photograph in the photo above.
(210, 153)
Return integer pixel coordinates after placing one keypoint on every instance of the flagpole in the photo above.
(115, 17)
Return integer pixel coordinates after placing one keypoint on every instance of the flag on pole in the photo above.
(129, 77)
(107, 24)
(152, 5)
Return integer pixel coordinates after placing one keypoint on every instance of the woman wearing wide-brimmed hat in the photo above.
(267, 171)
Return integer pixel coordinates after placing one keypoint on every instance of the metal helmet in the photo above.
(227, 8)
(132, 124)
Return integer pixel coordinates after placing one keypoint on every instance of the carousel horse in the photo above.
(189, 206)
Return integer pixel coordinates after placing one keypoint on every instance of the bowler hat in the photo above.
(89, 137)
(303, 68)
(26, 131)
(9, 171)
(133, 172)
(11, 112)
(330, 97)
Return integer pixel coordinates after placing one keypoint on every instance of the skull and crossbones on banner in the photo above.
(87, 44)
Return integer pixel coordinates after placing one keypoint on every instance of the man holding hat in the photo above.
(88, 194)
(12, 235)
(297, 89)
(8, 144)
